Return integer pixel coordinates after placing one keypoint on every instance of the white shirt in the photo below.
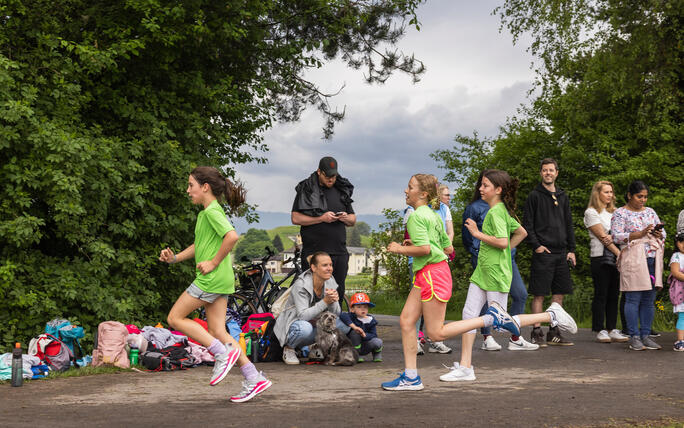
(592, 218)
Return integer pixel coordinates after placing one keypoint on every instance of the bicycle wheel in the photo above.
(242, 305)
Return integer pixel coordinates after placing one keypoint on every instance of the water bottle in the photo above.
(134, 356)
(17, 366)
(255, 348)
(243, 344)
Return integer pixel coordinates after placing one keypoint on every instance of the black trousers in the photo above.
(604, 307)
(340, 268)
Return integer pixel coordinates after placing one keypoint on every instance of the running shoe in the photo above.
(554, 337)
(439, 347)
(503, 321)
(521, 345)
(635, 344)
(489, 344)
(617, 336)
(654, 333)
(251, 389)
(458, 373)
(403, 383)
(420, 351)
(290, 356)
(603, 337)
(679, 346)
(650, 343)
(223, 363)
(561, 319)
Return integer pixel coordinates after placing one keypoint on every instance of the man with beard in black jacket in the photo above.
(323, 208)
(548, 222)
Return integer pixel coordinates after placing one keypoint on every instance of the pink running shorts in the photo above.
(434, 280)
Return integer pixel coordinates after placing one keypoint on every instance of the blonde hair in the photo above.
(428, 183)
(595, 201)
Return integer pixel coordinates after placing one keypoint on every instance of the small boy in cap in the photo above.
(363, 334)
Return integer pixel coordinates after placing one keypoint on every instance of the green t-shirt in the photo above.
(494, 270)
(425, 227)
(212, 225)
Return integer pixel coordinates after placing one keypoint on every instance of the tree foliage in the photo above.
(106, 106)
(607, 106)
(278, 243)
(397, 279)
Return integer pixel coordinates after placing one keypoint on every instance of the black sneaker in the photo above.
(553, 337)
(654, 333)
(537, 337)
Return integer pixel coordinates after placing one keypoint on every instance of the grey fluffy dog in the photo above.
(335, 346)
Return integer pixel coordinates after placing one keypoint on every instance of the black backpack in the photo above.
(167, 359)
(269, 347)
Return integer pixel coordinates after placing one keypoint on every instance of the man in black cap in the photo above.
(323, 208)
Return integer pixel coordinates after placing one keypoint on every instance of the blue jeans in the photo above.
(518, 295)
(303, 333)
(639, 308)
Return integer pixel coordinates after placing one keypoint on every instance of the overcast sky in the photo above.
(475, 79)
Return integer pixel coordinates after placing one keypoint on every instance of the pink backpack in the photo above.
(110, 345)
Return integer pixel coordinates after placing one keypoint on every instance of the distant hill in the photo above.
(271, 220)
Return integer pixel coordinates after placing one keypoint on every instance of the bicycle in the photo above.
(258, 290)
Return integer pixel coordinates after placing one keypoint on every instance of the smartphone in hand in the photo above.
(339, 213)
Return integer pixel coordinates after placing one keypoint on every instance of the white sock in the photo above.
(554, 321)
(411, 373)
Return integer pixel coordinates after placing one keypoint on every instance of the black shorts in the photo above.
(550, 274)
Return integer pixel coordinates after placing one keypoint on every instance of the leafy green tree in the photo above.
(607, 107)
(397, 280)
(278, 243)
(252, 245)
(105, 107)
(363, 227)
(355, 239)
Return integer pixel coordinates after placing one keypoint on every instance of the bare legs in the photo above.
(216, 315)
(538, 303)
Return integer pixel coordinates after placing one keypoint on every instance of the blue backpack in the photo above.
(68, 334)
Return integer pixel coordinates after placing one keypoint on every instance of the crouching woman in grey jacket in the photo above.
(314, 292)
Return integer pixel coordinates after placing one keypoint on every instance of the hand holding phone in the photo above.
(339, 213)
(658, 226)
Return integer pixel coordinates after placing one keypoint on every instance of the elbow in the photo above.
(293, 219)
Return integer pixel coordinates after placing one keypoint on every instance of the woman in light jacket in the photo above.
(604, 273)
(636, 221)
(313, 293)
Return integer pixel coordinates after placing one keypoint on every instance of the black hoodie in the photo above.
(549, 223)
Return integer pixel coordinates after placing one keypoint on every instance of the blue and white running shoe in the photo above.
(503, 321)
(403, 383)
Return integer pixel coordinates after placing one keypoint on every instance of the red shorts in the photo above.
(434, 280)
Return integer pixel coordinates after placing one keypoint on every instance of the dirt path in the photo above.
(587, 384)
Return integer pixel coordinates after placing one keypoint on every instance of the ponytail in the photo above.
(222, 188)
(428, 183)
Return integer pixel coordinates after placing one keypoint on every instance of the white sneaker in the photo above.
(420, 349)
(290, 356)
(616, 336)
(561, 319)
(439, 347)
(521, 345)
(603, 337)
(489, 344)
(458, 373)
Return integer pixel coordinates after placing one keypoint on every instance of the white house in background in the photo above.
(359, 258)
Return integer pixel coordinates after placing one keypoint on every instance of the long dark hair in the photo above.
(509, 188)
(232, 193)
(476, 192)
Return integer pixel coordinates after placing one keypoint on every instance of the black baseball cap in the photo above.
(328, 165)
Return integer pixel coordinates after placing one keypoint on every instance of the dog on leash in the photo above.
(335, 346)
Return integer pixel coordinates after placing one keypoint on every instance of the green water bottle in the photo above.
(134, 357)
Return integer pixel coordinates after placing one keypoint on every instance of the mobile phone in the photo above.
(658, 226)
(339, 213)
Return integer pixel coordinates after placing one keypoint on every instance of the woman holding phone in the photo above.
(635, 223)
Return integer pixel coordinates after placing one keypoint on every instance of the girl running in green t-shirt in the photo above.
(491, 280)
(214, 238)
(428, 244)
